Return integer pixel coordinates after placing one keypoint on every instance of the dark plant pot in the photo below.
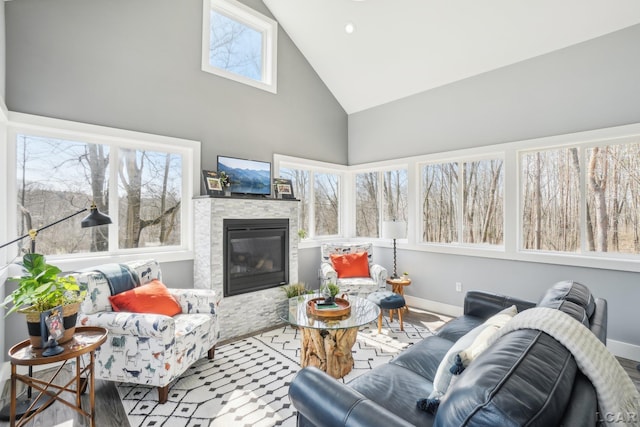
(69, 317)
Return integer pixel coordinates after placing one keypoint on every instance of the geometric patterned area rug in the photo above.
(247, 382)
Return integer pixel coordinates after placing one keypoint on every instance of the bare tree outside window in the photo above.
(483, 201)
(551, 200)
(235, 47)
(56, 178)
(395, 195)
(300, 182)
(440, 202)
(326, 204)
(367, 205)
(613, 198)
(150, 197)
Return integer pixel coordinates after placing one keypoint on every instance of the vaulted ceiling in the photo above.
(401, 47)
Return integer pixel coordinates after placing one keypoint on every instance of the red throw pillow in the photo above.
(351, 265)
(154, 297)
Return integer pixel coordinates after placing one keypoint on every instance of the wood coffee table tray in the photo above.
(343, 309)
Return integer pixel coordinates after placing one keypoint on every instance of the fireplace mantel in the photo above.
(240, 314)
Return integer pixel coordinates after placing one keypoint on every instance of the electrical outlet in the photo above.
(458, 286)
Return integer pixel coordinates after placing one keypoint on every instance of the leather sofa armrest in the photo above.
(484, 304)
(326, 402)
(598, 320)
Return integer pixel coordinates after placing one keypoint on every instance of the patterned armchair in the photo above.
(352, 285)
(151, 349)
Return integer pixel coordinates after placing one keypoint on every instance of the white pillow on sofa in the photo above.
(492, 325)
(469, 346)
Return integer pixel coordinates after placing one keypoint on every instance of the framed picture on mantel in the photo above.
(212, 183)
(283, 188)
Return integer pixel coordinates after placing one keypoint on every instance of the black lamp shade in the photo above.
(95, 218)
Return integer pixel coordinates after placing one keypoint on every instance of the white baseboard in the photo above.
(618, 348)
(434, 306)
(623, 349)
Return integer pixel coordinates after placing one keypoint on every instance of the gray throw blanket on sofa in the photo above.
(618, 398)
(119, 277)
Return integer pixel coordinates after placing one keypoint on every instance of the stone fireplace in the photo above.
(258, 308)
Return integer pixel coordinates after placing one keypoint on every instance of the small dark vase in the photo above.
(329, 300)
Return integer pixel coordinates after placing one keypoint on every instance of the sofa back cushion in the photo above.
(574, 292)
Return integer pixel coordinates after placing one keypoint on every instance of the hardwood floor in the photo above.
(109, 409)
(110, 412)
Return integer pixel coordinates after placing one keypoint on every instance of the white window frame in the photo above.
(288, 162)
(510, 153)
(253, 19)
(379, 170)
(115, 138)
(583, 148)
(460, 160)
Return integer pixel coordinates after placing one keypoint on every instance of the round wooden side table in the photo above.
(397, 286)
(86, 340)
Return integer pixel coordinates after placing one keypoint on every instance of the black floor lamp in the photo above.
(394, 230)
(26, 404)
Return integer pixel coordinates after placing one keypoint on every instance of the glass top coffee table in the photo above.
(326, 342)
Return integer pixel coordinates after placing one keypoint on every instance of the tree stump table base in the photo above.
(329, 350)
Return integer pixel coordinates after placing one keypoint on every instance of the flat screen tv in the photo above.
(247, 176)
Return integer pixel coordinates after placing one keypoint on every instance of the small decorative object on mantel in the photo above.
(283, 188)
(212, 183)
(225, 180)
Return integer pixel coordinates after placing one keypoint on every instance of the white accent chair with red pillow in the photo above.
(346, 280)
(146, 347)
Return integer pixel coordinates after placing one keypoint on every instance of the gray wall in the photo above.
(2, 52)
(592, 85)
(138, 68)
(136, 65)
(588, 86)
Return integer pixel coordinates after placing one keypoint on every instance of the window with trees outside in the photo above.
(463, 202)
(141, 189)
(320, 200)
(601, 215)
(380, 196)
(239, 43)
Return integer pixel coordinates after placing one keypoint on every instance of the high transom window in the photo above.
(239, 43)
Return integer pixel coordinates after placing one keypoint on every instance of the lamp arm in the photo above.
(33, 233)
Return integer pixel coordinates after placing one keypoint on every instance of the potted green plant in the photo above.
(330, 290)
(225, 181)
(296, 290)
(40, 290)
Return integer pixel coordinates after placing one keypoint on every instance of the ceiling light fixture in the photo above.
(349, 28)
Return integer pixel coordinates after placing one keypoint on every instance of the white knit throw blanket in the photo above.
(618, 397)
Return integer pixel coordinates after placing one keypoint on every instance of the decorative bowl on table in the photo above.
(340, 307)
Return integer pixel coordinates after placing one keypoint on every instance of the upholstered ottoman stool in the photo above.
(388, 300)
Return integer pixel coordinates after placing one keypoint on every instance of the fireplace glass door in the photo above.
(256, 254)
